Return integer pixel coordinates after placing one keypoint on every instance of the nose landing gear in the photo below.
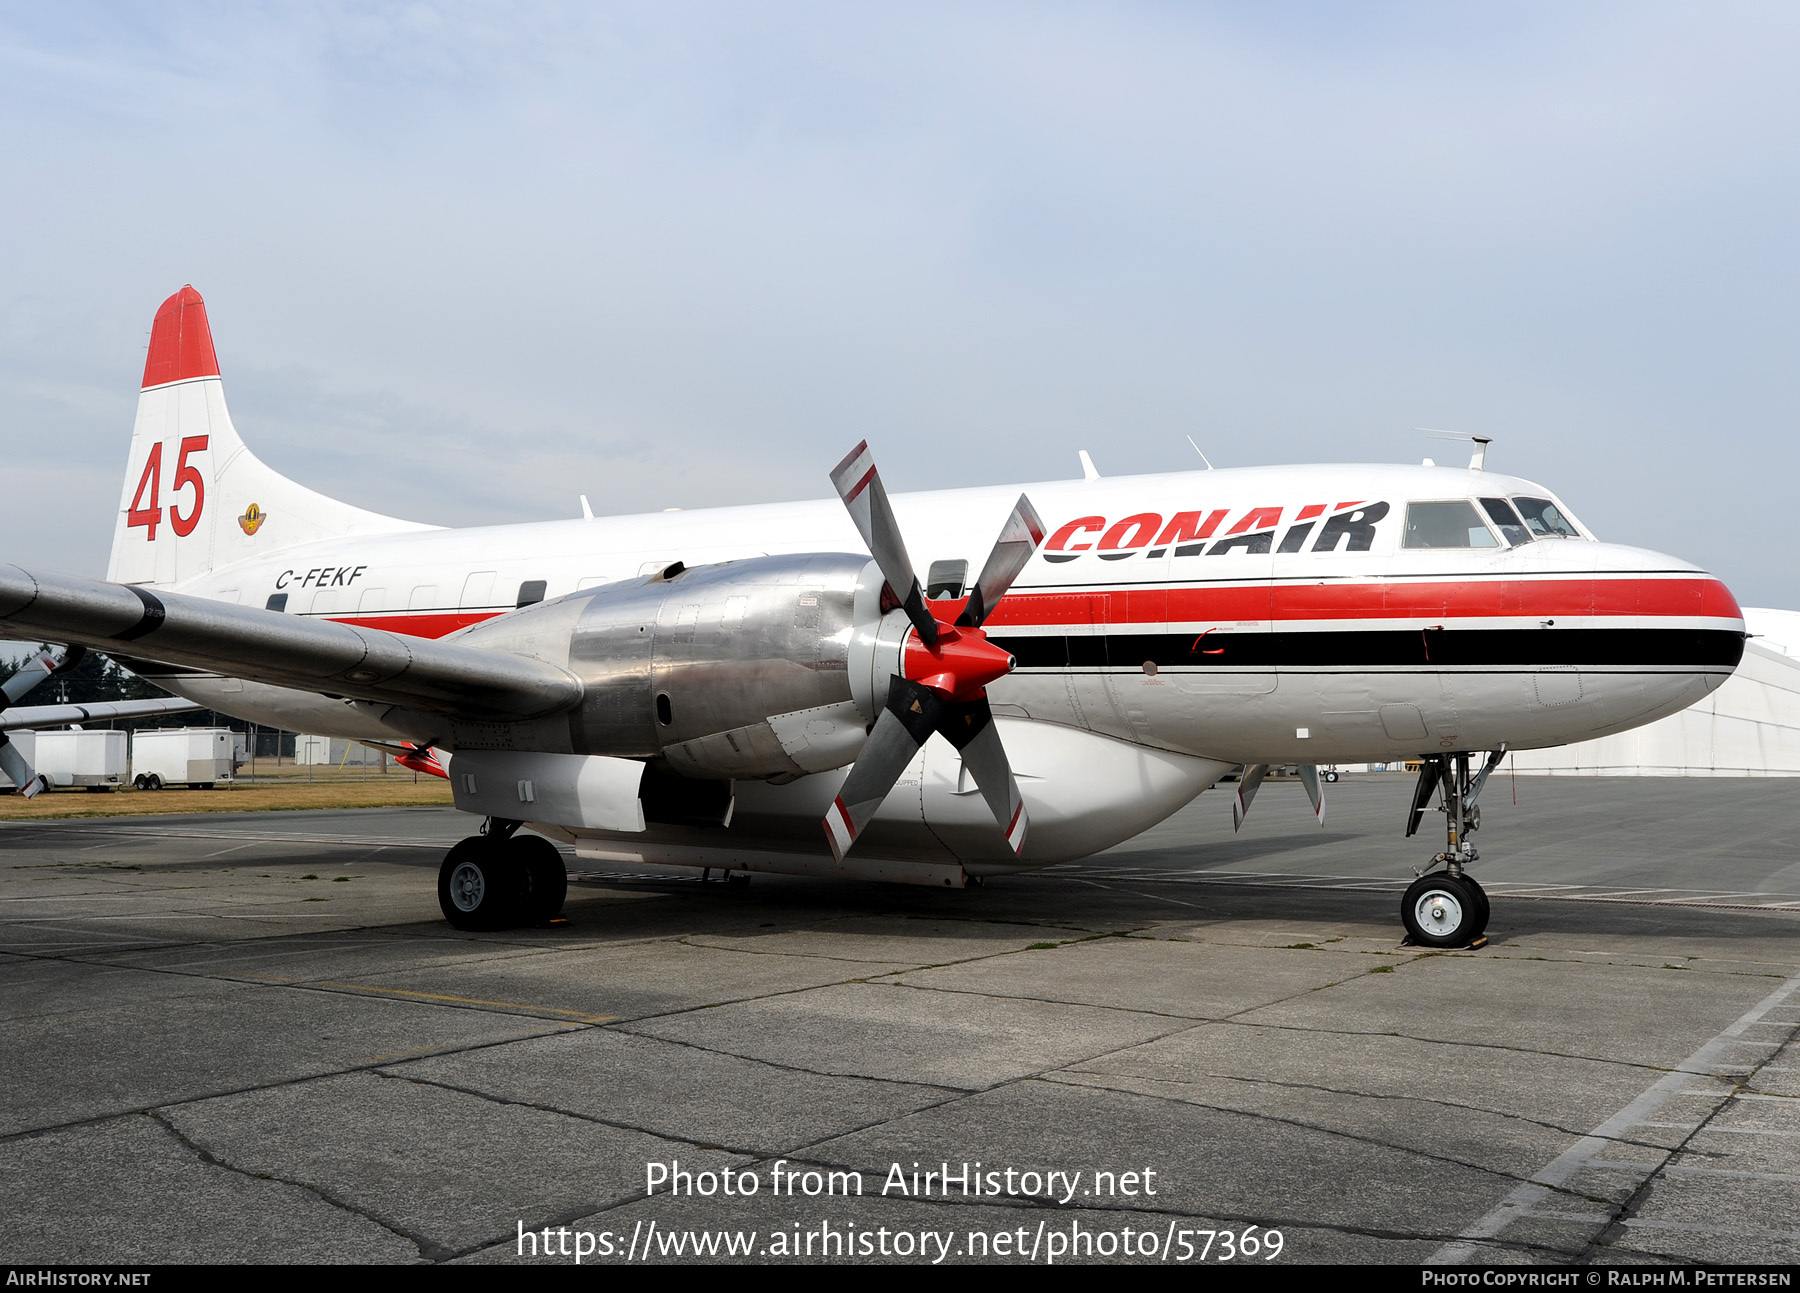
(501, 879)
(1448, 908)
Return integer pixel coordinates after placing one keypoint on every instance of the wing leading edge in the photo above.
(282, 650)
(99, 711)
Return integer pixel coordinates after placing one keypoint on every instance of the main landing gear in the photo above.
(1448, 908)
(500, 878)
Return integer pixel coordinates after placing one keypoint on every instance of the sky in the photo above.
(464, 262)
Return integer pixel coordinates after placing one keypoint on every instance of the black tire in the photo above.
(1331, 777)
(140, 782)
(1440, 910)
(479, 885)
(1479, 895)
(546, 878)
(153, 782)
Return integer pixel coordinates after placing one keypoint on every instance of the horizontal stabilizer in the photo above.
(319, 656)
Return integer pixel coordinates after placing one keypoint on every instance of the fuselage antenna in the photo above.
(1478, 459)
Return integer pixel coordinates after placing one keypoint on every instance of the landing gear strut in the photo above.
(500, 878)
(1448, 908)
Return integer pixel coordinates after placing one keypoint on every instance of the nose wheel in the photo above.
(1448, 908)
(1444, 910)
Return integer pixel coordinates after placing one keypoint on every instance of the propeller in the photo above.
(942, 686)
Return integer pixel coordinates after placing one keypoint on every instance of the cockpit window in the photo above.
(945, 579)
(1545, 520)
(1500, 512)
(1453, 524)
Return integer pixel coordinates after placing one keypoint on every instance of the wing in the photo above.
(97, 712)
(284, 650)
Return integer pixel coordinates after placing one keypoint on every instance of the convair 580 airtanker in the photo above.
(775, 688)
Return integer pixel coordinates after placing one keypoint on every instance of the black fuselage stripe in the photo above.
(1385, 648)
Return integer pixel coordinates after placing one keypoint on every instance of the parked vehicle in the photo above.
(199, 757)
(94, 759)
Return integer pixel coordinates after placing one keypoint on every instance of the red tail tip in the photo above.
(181, 344)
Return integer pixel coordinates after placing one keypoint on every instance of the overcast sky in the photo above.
(464, 262)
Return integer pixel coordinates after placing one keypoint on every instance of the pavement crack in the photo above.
(1609, 1236)
(1456, 1043)
(627, 1029)
(28, 1133)
(891, 980)
(561, 1111)
(1071, 1074)
(428, 1248)
(1336, 1132)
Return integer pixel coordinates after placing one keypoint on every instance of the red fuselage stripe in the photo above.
(1474, 599)
(1387, 600)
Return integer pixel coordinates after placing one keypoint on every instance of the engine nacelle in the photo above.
(772, 667)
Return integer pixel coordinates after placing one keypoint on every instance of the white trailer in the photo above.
(93, 759)
(336, 751)
(174, 756)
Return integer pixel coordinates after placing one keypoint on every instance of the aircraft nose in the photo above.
(1663, 633)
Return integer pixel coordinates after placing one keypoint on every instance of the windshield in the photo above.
(1500, 512)
(1545, 520)
(1454, 524)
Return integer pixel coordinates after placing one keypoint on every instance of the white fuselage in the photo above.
(1154, 618)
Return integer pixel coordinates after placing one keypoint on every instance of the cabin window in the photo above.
(945, 579)
(1545, 520)
(1454, 524)
(276, 602)
(1512, 529)
(478, 589)
(531, 592)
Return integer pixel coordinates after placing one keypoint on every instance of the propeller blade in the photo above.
(1019, 538)
(969, 726)
(1309, 777)
(18, 771)
(859, 485)
(1248, 783)
(912, 715)
(28, 677)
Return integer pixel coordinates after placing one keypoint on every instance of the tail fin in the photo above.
(195, 498)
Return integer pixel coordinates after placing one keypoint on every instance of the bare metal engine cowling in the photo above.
(771, 667)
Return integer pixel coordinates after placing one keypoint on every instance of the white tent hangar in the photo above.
(1749, 727)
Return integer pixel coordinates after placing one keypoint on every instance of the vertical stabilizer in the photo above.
(195, 498)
